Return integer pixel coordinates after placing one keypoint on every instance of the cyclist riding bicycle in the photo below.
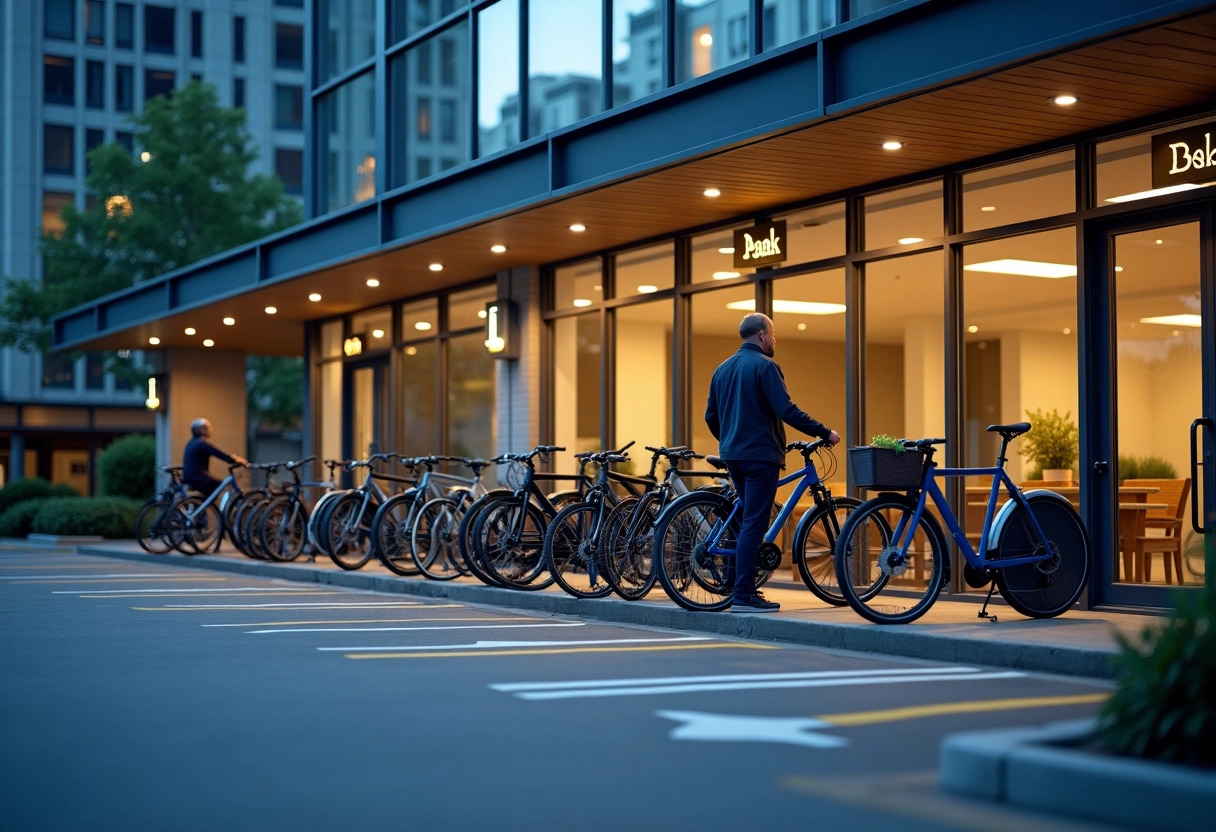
(197, 456)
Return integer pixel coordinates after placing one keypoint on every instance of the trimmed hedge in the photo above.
(21, 490)
(127, 468)
(104, 516)
(18, 520)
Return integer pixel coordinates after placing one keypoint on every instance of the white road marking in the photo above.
(495, 645)
(323, 604)
(727, 728)
(398, 629)
(164, 589)
(511, 687)
(758, 682)
(90, 577)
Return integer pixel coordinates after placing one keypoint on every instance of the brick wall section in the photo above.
(518, 382)
(208, 383)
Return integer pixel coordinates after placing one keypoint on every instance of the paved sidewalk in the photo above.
(1078, 643)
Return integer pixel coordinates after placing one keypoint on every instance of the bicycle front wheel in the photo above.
(511, 547)
(349, 532)
(883, 580)
(391, 534)
(628, 548)
(814, 542)
(433, 539)
(283, 530)
(1049, 587)
(693, 576)
(152, 527)
(572, 551)
(202, 526)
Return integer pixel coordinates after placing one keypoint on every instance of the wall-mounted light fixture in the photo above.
(157, 391)
(353, 346)
(501, 338)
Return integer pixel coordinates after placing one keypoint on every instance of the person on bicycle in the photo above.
(747, 411)
(197, 457)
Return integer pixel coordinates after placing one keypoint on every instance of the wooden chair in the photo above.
(1168, 525)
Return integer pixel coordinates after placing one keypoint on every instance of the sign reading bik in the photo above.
(1185, 157)
(760, 245)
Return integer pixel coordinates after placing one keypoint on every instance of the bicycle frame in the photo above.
(808, 478)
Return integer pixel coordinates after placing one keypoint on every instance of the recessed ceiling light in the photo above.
(707, 39)
(498, 248)
(973, 329)
(481, 313)
(597, 288)
(987, 208)
(270, 310)
(1024, 268)
(646, 288)
(1065, 100)
(207, 342)
(436, 267)
(724, 275)
(377, 333)
(578, 227)
(190, 330)
(712, 192)
(314, 297)
(581, 302)
(793, 307)
(411, 350)
(1068, 330)
(802, 327)
(154, 340)
(229, 321)
(373, 282)
(1159, 242)
(423, 325)
(907, 241)
(892, 145)
(726, 250)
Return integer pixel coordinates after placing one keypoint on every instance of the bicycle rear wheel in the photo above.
(433, 539)
(152, 527)
(511, 548)
(882, 581)
(814, 541)
(1049, 587)
(282, 532)
(391, 534)
(349, 532)
(202, 526)
(571, 551)
(628, 547)
(692, 576)
(464, 534)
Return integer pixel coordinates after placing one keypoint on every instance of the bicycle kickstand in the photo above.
(983, 613)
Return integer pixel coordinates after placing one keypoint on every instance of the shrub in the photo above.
(127, 468)
(1146, 467)
(23, 489)
(1165, 705)
(18, 520)
(105, 516)
(62, 489)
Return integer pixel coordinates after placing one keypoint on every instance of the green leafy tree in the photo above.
(275, 392)
(192, 198)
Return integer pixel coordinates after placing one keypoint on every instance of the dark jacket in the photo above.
(196, 457)
(749, 407)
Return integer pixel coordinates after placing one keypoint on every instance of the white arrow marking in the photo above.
(495, 645)
(725, 728)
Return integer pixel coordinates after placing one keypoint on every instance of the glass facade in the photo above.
(346, 136)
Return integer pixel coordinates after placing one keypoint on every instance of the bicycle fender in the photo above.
(1002, 514)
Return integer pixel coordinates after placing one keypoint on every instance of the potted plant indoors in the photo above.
(1052, 444)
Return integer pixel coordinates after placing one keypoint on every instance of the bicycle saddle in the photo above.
(1010, 431)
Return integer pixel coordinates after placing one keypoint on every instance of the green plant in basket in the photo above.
(885, 440)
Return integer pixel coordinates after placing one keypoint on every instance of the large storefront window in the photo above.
(565, 84)
(417, 399)
(644, 271)
(715, 337)
(430, 105)
(578, 286)
(643, 384)
(346, 139)
(713, 257)
(577, 391)
(904, 217)
(471, 426)
(1023, 190)
(815, 233)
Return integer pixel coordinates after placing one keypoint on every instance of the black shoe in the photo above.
(753, 603)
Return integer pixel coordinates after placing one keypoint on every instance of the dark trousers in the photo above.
(204, 484)
(756, 485)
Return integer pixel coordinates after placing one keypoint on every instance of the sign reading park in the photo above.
(760, 245)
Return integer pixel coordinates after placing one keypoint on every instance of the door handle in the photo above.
(1101, 466)
(1195, 465)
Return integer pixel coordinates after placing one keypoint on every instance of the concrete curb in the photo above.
(906, 642)
(1045, 770)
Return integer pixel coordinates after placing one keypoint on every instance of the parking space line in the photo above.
(954, 708)
(220, 594)
(402, 605)
(487, 645)
(560, 651)
(368, 621)
(257, 590)
(110, 579)
(399, 629)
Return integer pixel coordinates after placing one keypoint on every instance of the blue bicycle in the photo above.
(694, 539)
(891, 556)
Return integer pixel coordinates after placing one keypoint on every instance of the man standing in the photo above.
(747, 411)
(197, 457)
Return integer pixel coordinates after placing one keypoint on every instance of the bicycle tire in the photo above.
(690, 576)
(318, 521)
(282, 533)
(464, 534)
(203, 526)
(349, 532)
(252, 522)
(390, 533)
(867, 560)
(151, 527)
(433, 539)
(1048, 588)
(513, 559)
(571, 551)
(628, 550)
(814, 545)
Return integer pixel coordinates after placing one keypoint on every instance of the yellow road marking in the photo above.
(174, 578)
(372, 621)
(952, 708)
(229, 608)
(558, 650)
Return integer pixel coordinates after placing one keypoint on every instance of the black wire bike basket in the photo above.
(883, 468)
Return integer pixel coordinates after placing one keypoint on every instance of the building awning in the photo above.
(788, 127)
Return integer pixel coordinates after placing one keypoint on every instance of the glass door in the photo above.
(1153, 367)
(366, 401)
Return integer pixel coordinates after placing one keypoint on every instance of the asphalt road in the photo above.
(163, 698)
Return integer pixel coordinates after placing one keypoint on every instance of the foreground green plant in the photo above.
(1165, 704)
(885, 440)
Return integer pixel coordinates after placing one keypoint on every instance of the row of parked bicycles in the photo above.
(596, 532)
(608, 531)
